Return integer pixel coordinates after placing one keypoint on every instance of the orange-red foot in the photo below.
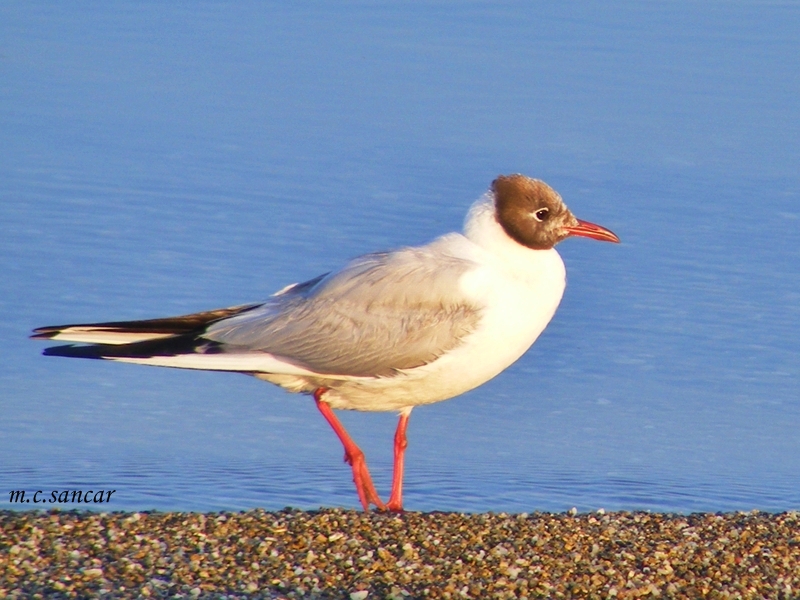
(361, 477)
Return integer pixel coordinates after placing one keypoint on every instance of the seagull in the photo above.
(388, 331)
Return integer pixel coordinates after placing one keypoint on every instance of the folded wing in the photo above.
(380, 314)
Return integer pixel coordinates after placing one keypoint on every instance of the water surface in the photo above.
(162, 160)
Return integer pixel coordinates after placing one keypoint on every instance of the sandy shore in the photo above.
(343, 554)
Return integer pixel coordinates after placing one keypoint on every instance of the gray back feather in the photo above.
(379, 314)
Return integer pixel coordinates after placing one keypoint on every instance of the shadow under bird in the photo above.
(388, 331)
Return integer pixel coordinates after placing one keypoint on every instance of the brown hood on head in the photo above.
(534, 215)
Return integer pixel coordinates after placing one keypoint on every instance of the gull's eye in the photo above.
(541, 214)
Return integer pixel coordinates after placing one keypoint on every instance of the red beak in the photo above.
(590, 230)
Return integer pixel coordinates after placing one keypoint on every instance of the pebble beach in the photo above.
(333, 553)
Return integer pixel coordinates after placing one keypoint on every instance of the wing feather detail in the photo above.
(380, 314)
(127, 332)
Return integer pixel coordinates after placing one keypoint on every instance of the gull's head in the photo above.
(534, 215)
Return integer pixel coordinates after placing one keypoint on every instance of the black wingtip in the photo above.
(44, 333)
(74, 351)
(181, 325)
(171, 346)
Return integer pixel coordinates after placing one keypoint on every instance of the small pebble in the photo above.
(333, 553)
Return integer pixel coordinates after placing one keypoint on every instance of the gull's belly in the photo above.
(516, 311)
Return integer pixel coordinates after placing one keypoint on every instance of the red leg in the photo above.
(395, 503)
(352, 455)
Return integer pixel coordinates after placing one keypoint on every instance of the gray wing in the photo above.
(379, 314)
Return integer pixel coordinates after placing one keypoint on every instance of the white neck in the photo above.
(481, 227)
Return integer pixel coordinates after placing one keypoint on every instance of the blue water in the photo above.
(159, 159)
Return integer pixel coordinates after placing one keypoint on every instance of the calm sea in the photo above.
(160, 159)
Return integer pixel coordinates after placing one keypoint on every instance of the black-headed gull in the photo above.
(388, 331)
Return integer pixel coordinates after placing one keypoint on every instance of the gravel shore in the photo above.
(351, 555)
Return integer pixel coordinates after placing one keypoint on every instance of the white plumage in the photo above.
(388, 331)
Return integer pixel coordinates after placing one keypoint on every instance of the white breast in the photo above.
(519, 290)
